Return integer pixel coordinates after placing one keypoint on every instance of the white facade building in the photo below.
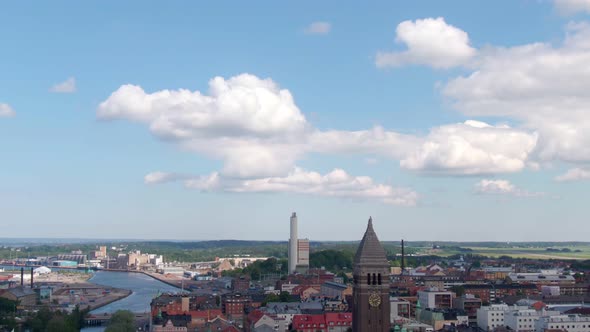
(516, 318)
(521, 320)
(490, 317)
(570, 323)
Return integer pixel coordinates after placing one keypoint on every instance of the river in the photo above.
(144, 288)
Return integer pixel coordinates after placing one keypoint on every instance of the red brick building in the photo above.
(234, 305)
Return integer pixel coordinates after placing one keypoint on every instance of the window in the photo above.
(368, 278)
(379, 278)
(374, 279)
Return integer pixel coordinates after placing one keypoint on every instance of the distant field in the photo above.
(520, 252)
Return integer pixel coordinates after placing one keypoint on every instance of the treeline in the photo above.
(259, 268)
(562, 250)
(332, 260)
(581, 265)
(46, 320)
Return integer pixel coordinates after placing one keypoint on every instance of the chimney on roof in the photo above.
(31, 278)
(22, 276)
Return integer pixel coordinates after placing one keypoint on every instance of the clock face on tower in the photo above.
(374, 299)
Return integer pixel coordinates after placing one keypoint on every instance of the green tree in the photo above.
(76, 318)
(270, 298)
(459, 290)
(333, 260)
(121, 321)
(284, 297)
(59, 324)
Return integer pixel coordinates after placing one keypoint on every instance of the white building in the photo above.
(547, 277)
(522, 320)
(490, 317)
(516, 318)
(570, 323)
(550, 290)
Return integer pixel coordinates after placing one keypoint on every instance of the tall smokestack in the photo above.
(31, 278)
(403, 265)
(22, 276)
(293, 244)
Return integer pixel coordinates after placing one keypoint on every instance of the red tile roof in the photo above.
(308, 321)
(339, 318)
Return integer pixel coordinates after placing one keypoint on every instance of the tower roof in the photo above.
(370, 250)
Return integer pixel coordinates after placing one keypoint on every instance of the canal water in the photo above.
(144, 288)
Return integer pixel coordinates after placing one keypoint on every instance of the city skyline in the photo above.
(445, 122)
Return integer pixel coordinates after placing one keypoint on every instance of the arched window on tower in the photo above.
(379, 279)
(374, 279)
(368, 278)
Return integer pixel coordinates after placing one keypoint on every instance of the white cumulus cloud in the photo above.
(248, 122)
(336, 183)
(472, 147)
(542, 86)
(162, 177)
(257, 131)
(431, 42)
(318, 28)
(574, 174)
(6, 111)
(502, 187)
(569, 7)
(67, 86)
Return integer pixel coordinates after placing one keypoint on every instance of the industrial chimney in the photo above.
(293, 244)
(403, 265)
(22, 276)
(31, 278)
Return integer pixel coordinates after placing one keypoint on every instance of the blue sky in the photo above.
(444, 121)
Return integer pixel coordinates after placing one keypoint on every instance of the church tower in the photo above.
(370, 293)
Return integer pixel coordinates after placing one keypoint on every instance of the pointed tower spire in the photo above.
(370, 250)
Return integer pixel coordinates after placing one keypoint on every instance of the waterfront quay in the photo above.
(57, 289)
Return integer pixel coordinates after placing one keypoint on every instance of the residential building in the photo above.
(569, 323)
(541, 278)
(332, 289)
(434, 298)
(399, 309)
(491, 317)
(168, 327)
(470, 304)
(234, 305)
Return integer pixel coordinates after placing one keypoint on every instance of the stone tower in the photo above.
(370, 293)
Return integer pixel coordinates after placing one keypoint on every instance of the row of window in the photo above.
(376, 279)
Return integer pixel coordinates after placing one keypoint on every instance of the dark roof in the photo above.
(499, 286)
(19, 292)
(336, 285)
(370, 250)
